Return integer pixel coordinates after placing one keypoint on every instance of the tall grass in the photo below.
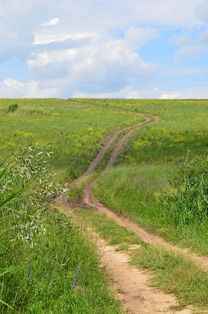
(46, 265)
(187, 199)
(169, 201)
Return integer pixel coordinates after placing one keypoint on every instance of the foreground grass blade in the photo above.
(4, 303)
(1, 301)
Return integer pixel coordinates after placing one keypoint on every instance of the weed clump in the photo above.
(12, 108)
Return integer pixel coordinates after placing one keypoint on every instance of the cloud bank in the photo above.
(126, 49)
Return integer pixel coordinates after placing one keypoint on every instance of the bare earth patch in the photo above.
(131, 285)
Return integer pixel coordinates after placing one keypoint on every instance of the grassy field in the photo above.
(46, 263)
(146, 168)
(74, 131)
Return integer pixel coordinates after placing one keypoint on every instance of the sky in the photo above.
(104, 48)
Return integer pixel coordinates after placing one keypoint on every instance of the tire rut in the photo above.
(110, 141)
(91, 201)
(132, 285)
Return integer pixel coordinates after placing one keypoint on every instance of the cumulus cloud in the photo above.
(126, 92)
(194, 93)
(155, 93)
(52, 22)
(192, 45)
(201, 11)
(136, 37)
(102, 62)
(13, 89)
(45, 38)
(91, 46)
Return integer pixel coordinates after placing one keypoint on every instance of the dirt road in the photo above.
(130, 283)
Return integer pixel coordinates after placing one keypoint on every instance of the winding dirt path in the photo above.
(125, 138)
(132, 285)
(110, 141)
(91, 201)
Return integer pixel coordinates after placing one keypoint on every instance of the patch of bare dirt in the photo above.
(131, 285)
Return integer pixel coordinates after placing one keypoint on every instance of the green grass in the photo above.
(183, 126)
(46, 263)
(73, 130)
(170, 272)
(173, 273)
(54, 262)
(148, 162)
(137, 193)
(108, 230)
(77, 188)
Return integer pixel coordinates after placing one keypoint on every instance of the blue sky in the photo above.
(105, 48)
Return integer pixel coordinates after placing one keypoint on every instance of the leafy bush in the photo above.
(187, 199)
(12, 108)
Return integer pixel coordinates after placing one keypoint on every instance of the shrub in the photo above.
(12, 108)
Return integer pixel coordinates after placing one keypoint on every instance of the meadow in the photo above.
(74, 131)
(148, 165)
(159, 181)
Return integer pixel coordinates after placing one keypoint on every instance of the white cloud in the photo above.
(108, 15)
(13, 89)
(126, 92)
(189, 93)
(191, 45)
(52, 22)
(79, 50)
(44, 38)
(195, 93)
(201, 11)
(129, 93)
(170, 95)
(101, 62)
(136, 37)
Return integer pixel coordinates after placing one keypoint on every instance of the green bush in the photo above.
(12, 108)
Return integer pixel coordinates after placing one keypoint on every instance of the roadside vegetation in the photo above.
(46, 264)
(169, 201)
